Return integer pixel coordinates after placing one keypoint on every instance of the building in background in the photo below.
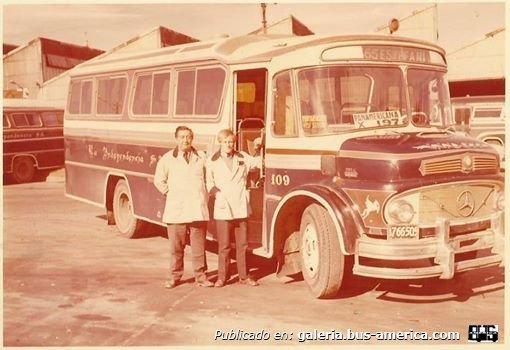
(288, 26)
(56, 89)
(27, 67)
(8, 48)
(478, 69)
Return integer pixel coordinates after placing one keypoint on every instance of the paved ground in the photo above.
(70, 280)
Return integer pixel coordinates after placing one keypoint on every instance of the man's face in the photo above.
(184, 140)
(227, 144)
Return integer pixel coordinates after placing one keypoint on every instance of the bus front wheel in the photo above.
(125, 220)
(23, 169)
(322, 261)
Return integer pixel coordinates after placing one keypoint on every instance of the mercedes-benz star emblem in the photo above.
(465, 203)
(467, 164)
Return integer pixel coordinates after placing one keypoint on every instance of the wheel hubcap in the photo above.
(310, 250)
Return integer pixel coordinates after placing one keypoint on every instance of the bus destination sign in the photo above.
(396, 54)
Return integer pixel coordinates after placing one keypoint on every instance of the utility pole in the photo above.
(264, 22)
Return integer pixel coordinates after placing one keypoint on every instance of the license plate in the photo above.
(404, 232)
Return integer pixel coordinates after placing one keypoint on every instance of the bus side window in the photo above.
(160, 93)
(185, 92)
(20, 120)
(142, 103)
(74, 100)
(86, 97)
(283, 107)
(34, 120)
(209, 90)
(80, 97)
(51, 119)
(110, 95)
(487, 112)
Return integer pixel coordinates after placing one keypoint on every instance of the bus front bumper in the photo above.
(430, 257)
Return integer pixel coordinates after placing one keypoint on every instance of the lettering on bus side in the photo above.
(16, 135)
(280, 179)
(136, 158)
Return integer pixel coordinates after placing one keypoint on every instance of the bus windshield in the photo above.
(340, 98)
(430, 98)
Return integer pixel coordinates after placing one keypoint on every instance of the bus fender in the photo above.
(27, 155)
(340, 212)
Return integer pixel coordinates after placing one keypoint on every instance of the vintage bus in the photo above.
(33, 139)
(363, 172)
(482, 117)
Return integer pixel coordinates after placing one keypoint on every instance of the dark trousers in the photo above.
(177, 240)
(224, 229)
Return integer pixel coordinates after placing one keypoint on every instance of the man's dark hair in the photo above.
(182, 128)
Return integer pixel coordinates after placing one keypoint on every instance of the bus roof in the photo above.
(24, 103)
(235, 50)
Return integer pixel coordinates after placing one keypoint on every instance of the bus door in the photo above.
(250, 102)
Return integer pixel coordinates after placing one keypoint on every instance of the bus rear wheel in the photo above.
(322, 261)
(125, 220)
(23, 169)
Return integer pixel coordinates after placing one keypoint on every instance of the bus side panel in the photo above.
(48, 153)
(86, 183)
(51, 159)
(148, 202)
(96, 158)
(34, 145)
(8, 163)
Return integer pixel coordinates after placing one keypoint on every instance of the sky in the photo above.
(106, 26)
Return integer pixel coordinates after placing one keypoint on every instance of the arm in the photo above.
(210, 183)
(161, 176)
(253, 162)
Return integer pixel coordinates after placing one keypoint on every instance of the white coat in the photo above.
(184, 187)
(233, 201)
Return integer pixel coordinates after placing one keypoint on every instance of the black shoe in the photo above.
(205, 283)
(248, 281)
(169, 284)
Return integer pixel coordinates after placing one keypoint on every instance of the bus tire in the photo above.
(23, 169)
(125, 220)
(322, 261)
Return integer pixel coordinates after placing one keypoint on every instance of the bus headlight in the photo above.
(500, 201)
(401, 211)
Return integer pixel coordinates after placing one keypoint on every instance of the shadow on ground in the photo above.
(430, 290)
(433, 290)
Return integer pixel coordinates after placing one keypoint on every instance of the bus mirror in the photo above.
(328, 165)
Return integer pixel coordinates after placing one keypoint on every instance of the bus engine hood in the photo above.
(396, 157)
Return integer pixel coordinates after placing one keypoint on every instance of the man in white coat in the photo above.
(227, 171)
(180, 176)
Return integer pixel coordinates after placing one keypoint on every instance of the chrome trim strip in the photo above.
(30, 139)
(32, 152)
(85, 200)
(109, 169)
(402, 156)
